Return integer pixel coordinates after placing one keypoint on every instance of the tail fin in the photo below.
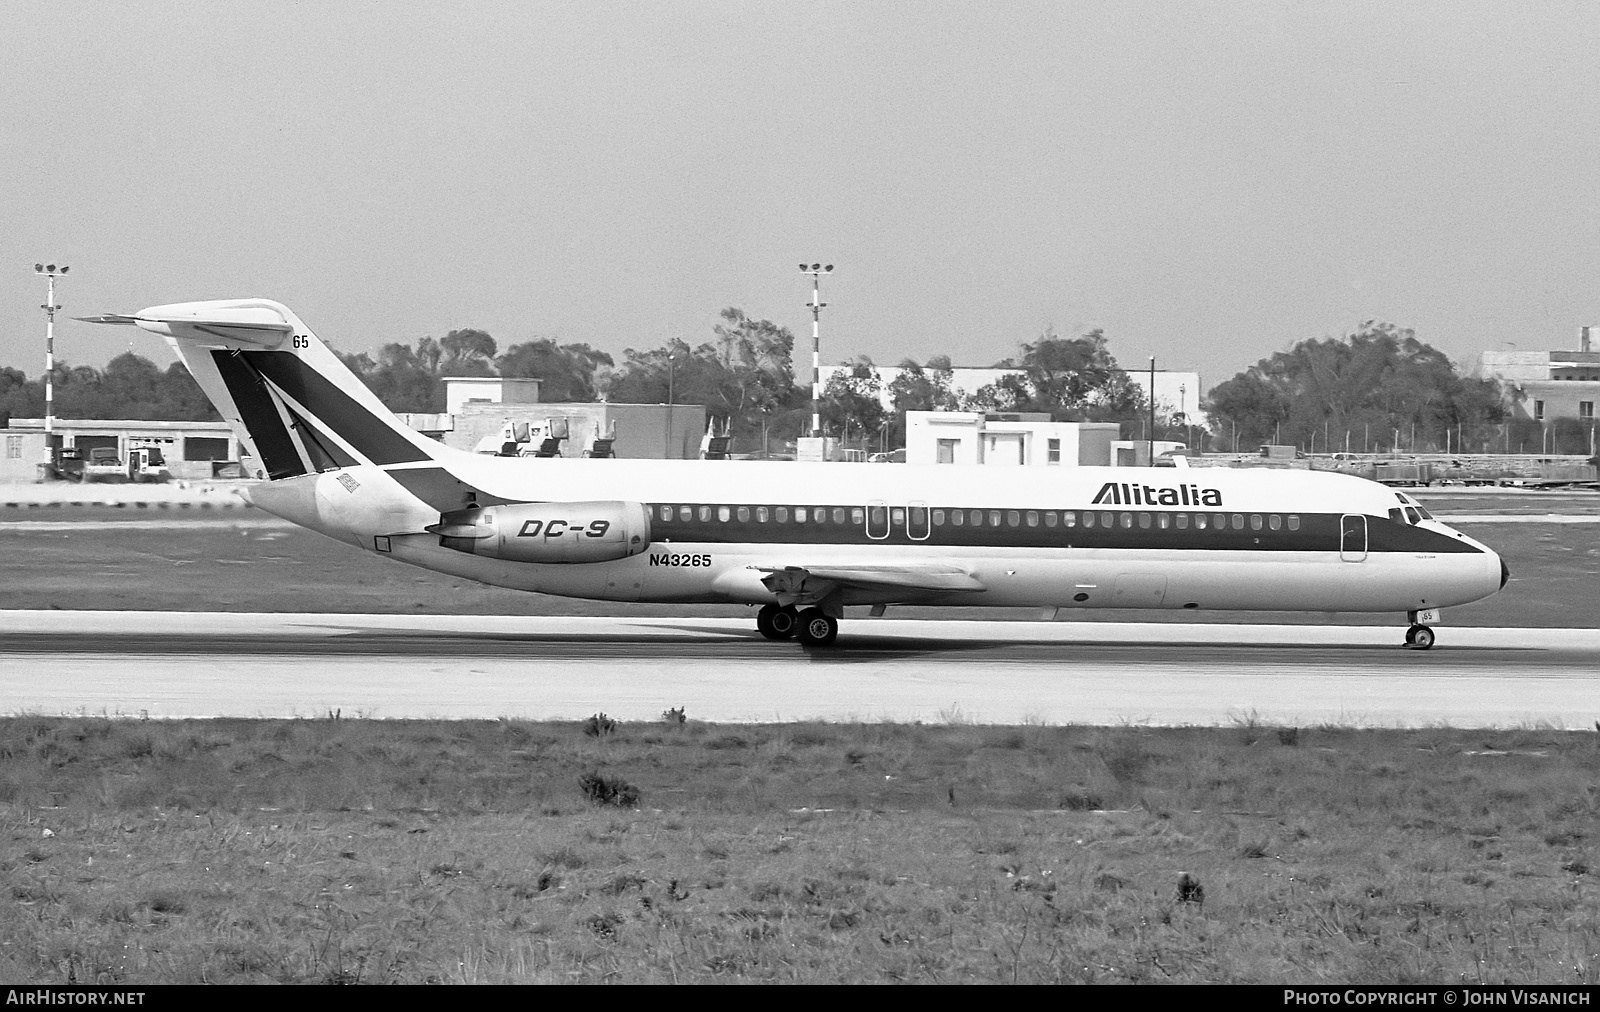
(292, 402)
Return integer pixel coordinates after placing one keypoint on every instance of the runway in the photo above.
(177, 664)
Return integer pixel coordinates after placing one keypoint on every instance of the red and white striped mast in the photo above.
(816, 271)
(52, 272)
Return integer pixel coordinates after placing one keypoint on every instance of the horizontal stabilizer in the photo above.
(207, 323)
(115, 319)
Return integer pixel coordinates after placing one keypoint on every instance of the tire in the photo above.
(1419, 637)
(776, 623)
(817, 628)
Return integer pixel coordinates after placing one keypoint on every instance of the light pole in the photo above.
(52, 272)
(816, 271)
(1152, 460)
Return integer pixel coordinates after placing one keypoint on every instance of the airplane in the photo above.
(803, 541)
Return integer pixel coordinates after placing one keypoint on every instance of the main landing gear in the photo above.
(812, 627)
(777, 623)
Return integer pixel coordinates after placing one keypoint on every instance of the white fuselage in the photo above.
(1142, 561)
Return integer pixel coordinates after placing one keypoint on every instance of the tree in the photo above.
(923, 388)
(1071, 378)
(743, 375)
(1364, 387)
(852, 401)
(403, 378)
(467, 353)
(566, 371)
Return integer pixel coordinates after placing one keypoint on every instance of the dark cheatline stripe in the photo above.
(260, 416)
(325, 453)
(1319, 532)
(442, 490)
(371, 436)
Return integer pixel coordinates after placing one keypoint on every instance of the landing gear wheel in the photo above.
(817, 628)
(1419, 637)
(777, 623)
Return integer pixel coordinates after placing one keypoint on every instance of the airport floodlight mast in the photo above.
(816, 271)
(52, 272)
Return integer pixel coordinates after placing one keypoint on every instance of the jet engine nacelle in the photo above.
(548, 532)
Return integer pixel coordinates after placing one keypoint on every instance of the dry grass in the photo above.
(344, 851)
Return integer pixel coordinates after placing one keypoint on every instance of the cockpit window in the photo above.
(1425, 514)
(1397, 516)
(1412, 515)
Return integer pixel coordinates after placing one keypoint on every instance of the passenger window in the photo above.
(1294, 522)
(994, 518)
(705, 513)
(1219, 521)
(1182, 520)
(897, 516)
(1070, 519)
(1050, 518)
(938, 518)
(1199, 521)
(1127, 521)
(1163, 520)
(724, 513)
(743, 514)
(976, 516)
(1238, 521)
(956, 518)
(761, 514)
(858, 516)
(686, 513)
(1255, 521)
(918, 516)
(1013, 518)
(666, 512)
(1144, 521)
(1107, 520)
(799, 514)
(1275, 521)
(783, 514)
(1033, 518)
(838, 514)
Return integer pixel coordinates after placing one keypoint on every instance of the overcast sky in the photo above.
(1207, 182)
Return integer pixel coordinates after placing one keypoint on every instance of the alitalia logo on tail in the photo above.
(1124, 494)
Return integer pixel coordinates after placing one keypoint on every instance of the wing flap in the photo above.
(812, 584)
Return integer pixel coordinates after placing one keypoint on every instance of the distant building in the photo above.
(190, 449)
(460, 391)
(1006, 439)
(1545, 386)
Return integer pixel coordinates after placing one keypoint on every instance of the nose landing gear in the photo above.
(1419, 637)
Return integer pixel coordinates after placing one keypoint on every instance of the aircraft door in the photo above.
(1353, 537)
(877, 520)
(918, 526)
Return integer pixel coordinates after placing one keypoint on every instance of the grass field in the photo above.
(344, 851)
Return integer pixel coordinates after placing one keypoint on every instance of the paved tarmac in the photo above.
(173, 664)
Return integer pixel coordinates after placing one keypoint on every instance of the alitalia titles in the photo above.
(1114, 493)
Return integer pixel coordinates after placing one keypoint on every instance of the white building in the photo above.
(463, 390)
(1008, 439)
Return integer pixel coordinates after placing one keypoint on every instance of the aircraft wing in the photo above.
(807, 585)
